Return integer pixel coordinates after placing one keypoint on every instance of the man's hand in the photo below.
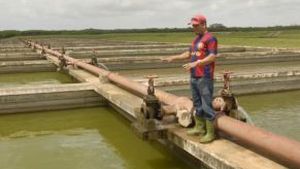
(167, 59)
(191, 65)
(184, 55)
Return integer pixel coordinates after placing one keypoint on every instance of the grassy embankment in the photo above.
(260, 38)
(263, 38)
(284, 39)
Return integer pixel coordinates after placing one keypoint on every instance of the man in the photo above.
(202, 55)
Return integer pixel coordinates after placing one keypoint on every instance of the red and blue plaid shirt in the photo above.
(203, 46)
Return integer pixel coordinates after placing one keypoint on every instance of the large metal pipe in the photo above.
(134, 87)
(278, 148)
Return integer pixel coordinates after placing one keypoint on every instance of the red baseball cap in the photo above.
(197, 19)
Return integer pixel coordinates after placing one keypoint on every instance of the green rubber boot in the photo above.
(199, 128)
(210, 133)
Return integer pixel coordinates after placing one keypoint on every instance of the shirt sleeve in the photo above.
(212, 46)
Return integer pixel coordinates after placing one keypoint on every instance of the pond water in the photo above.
(81, 138)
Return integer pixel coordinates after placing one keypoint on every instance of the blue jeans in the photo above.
(202, 91)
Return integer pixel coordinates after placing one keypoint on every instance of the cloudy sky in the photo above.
(115, 14)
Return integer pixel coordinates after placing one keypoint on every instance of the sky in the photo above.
(127, 14)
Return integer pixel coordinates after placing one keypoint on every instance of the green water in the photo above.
(81, 138)
(36, 78)
(276, 112)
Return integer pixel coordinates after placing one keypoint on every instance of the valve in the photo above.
(148, 118)
(63, 51)
(151, 106)
(95, 62)
(62, 62)
(43, 50)
(227, 103)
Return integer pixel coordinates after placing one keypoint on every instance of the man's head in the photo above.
(199, 24)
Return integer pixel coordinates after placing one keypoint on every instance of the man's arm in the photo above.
(210, 58)
(184, 55)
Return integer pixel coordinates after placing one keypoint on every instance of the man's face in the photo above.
(199, 28)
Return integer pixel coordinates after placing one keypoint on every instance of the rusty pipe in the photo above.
(278, 148)
(140, 90)
(135, 87)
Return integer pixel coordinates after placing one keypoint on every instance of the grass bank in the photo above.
(284, 39)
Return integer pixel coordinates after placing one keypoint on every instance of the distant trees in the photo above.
(8, 33)
(216, 27)
(221, 28)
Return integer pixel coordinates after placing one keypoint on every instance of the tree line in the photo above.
(212, 28)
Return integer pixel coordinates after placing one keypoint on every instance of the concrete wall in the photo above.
(26, 66)
(20, 56)
(240, 85)
(48, 97)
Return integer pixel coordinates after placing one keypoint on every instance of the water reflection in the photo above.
(67, 149)
(79, 135)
